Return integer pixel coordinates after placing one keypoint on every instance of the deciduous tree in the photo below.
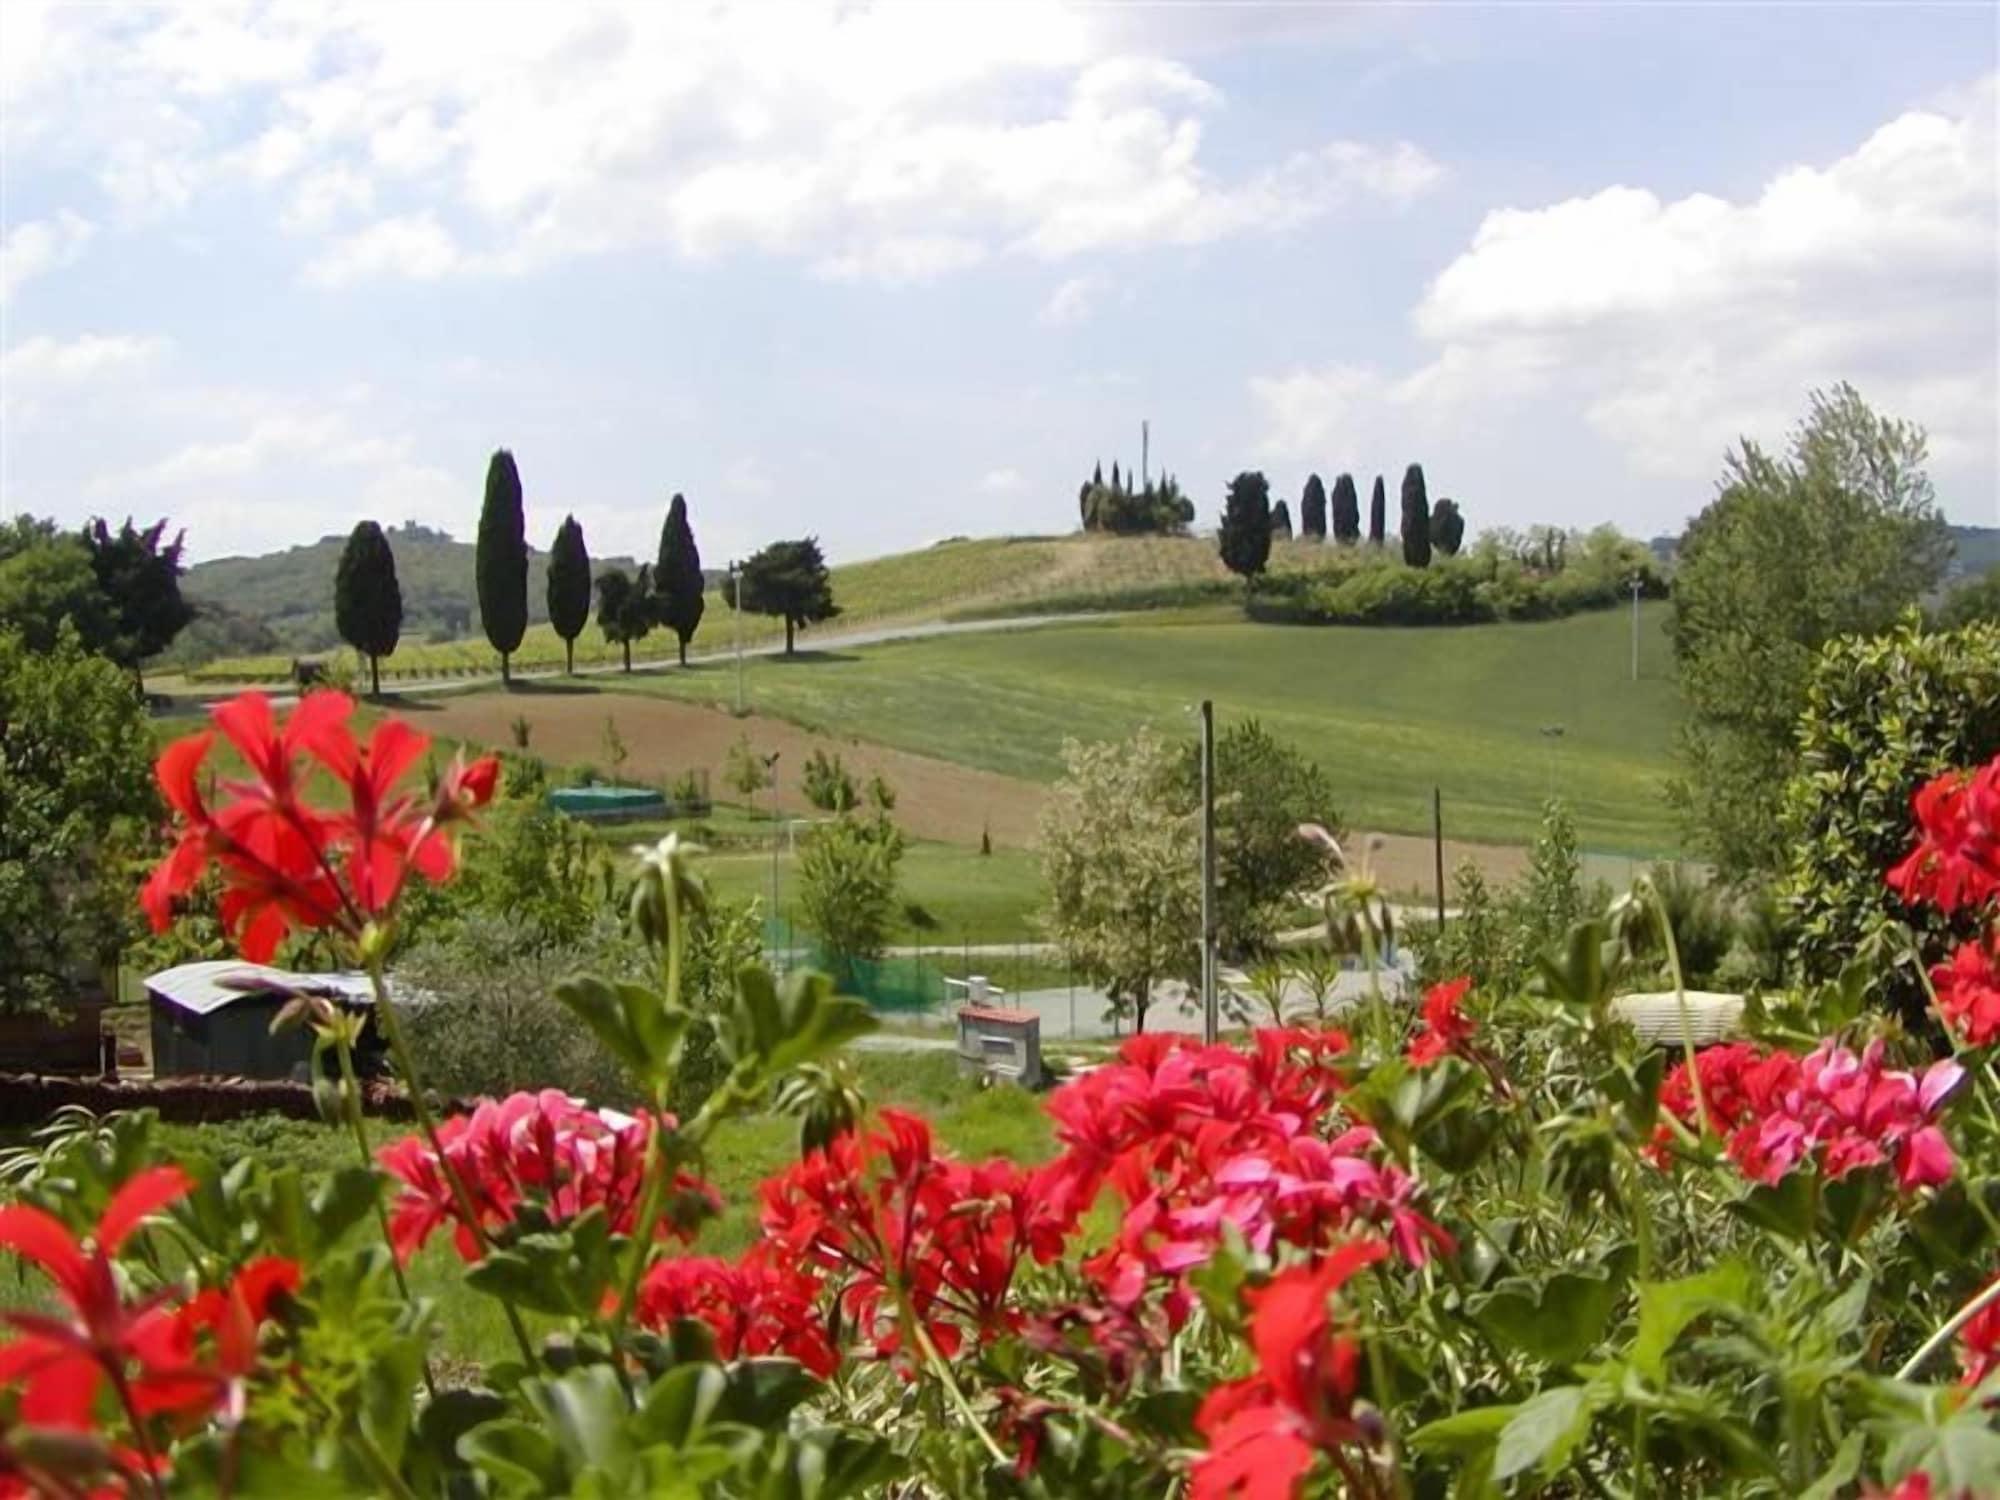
(1119, 861)
(1447, 527)
(1836, 537)
(790, 580)
(625, 607)
(139, 573)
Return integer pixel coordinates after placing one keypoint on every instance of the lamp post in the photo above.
(1211, 1021)
(1637, 584)
(736, 582)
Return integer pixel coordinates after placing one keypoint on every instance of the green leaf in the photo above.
(1854, 1202)
(679, 1405)
(1785, 1207)
(634, 1023)
(1577, 975)
(1555, 1319)
(1840, 1473)
(585, 1411)
(564, 1272)
(1464, 1433)
(517, 1456)
(1666, 1308)
(1544, 1430)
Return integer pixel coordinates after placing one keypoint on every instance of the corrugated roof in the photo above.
(213, 984)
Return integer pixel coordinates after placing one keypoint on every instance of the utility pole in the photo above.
(1211, 1023)
(1145, 452)
(1636, 585)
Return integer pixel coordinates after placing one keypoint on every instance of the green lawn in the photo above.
(969, 1120)
(1387, 712)
(969, 897)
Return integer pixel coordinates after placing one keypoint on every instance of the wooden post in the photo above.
(1437, 847)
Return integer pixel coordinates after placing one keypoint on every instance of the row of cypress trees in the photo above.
(368, 600)
(1250, 520)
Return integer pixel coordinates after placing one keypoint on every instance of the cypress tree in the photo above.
(1346, 511)
(367, 601)
(1281, 522)
(1447, 527)
(1378, 512)
(501, 561)
(1244, 537)
(677, 580)
(569, 588)
(1416, 518)
(1114, 475)
(1312, 509)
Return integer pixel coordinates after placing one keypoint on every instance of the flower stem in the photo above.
(1946, 1333)
(351, 1107)
(1681, 1000)
(392, 1029)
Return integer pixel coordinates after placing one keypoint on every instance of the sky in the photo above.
(886, 274)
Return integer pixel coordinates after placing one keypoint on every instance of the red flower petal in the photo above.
(142, 1194)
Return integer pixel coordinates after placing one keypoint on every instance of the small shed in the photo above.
(214, 1017)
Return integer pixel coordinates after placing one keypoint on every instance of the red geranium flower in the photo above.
(60, 1365)
(753, 1308)
(1968, 993)
(1956, 861)
(1445, 1028)
(1265, 1431)
(286, 864)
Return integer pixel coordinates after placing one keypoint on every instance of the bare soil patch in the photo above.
(934, 798)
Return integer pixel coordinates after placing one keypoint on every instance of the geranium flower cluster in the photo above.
(1834, 1109)
(286, 862)
(884, 1222)
(1265, 1431)
(1954, 866)
(159, 1357)
(545, 1149)
(1956, 861)
(753, 1307)
(1197, 1141)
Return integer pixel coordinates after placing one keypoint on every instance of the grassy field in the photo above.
(967, 896)
(1387, 712)
(970, 1121)
(990, 575)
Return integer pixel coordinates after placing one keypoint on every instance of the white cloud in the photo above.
(1001, 482)
(749, 476)
(41, 245)
(892, 141)
(43, 361)
(1069, 303)
(1675, 327)
(416, 246)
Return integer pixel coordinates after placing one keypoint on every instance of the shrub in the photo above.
(1883, 714)
(847, 886)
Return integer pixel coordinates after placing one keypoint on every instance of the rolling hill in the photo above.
(291, 592)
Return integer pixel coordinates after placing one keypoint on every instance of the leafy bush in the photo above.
(1883, 715)
(847, 885)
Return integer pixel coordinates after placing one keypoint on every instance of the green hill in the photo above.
(290, 593)
(1499, 717)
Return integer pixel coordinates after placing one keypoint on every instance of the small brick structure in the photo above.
(1000, 1043)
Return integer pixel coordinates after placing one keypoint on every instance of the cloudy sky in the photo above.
(892, 274)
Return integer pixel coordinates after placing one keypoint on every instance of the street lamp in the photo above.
(1552, 733)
